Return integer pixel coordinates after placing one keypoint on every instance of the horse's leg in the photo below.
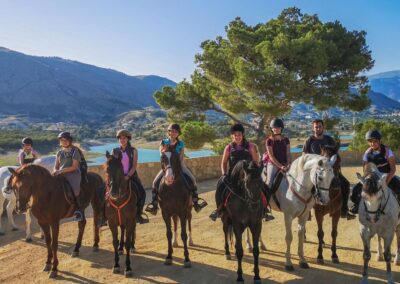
(256, 232)
(261, 244)
(122, 241)
(175, 232)
(189, 218)
(55, 227)
(367, 253)
(128, 245)
(10, 208)
(387, 243)
(379, 249)
(1, 211)
(227, 230)
(248, 244)
(397, 257)
(114, 232)
(167, 220)
(288, 238)
(47, 237)
(187, 262)
(96, 230)
(302, 226)
(28, 222)
(133, 237)
(81, 227)
(319, 216)
(334, 233)
(238, 230)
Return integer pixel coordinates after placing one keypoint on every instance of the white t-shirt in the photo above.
(389, 154)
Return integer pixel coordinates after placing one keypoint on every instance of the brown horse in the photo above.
(174, 199)
(332, 208)
(120, 210)
(50, 204)
(189, 224)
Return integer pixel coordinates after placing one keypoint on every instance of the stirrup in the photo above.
(151, 208)
(141, 219)
(78, 216)
(214, 215)
(198, 206)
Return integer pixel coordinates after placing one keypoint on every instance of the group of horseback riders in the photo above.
(70, 163)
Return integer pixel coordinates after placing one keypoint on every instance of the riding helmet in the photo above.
(65, 135)
(276, 122)
(237, 127)
(373, 134)
(174, 126)
(27, 141)
(124, 132)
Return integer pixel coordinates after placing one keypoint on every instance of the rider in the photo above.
(385, 161)
(239, 149)
(67, 164)
(172, 143)
(129, 163)
(27, 155)
(313, 145)
(277, 155)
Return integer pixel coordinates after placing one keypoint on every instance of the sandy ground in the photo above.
(21, 262)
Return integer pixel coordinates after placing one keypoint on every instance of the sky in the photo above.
(161, 37)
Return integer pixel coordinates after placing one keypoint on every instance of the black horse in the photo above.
(244, 209)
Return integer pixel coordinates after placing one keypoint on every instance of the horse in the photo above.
(307, 182)
(332, 208)
(5, 194)
(174, 199)
(378, 214)
(244, 209)
(51, 203)
(189, 224)
(120, 210)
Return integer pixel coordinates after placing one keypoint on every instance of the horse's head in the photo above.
(171, 166)
(253, 182)
(328, 151)
(22, 182)
(321, 175)
(374, 188)
(114, 173)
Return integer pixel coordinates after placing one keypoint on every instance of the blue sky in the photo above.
(161, 37)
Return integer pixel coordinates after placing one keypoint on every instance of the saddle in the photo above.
(69, 196)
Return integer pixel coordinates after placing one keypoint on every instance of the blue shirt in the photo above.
(178, 147)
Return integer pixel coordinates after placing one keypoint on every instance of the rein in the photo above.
(118, 208)
(245, 200)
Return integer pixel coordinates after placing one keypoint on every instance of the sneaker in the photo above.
(268, 217)
(142, 220)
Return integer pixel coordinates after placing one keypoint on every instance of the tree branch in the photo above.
(234, 118)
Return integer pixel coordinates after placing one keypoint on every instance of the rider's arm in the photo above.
(272, 158)
(392, 163)
(134, 163)
(288, 156)
(182, 154)
(56, 164)
(224, 162)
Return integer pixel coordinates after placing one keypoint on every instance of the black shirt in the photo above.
(313, 145)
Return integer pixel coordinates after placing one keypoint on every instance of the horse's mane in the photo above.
(370, 168)
(253, 170)
(34, 170)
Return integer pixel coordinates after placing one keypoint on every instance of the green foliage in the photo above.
(218, 145)
(255, 71)
(330, 123)
(44, 141)
(390, 135)
(195, 134)
(85, 132)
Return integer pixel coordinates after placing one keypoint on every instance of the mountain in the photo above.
(56, 89)
(387, 83)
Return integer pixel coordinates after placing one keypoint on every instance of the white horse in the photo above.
(48, 163)
(378, 214)
(307, 182)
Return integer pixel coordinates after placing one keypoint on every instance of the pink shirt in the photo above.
(125, 162)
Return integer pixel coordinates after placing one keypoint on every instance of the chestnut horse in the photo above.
(120, 210)
(51, 203)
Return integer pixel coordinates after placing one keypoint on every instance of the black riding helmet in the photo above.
(27, 141)
(373, 134)
(174, 126)
(237, 127)
(65, 135)
(276, 122)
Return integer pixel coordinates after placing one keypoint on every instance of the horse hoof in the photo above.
(115, 270)
(133, 250)
(187, 264)
(304, 265)
(28, 239)
(321, 261)
(120, 252)
(47, 267)
(228, 257)
(128, 273)
(289, 268)
(75, 253)
(335, 260)
(168, 261)
(14, 229)
(53, 274)
(379, 257)
(95, 249)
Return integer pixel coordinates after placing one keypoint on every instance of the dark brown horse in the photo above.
(174, 199)
(120, 210)
(332, 208)
(50, 204)
(189, 224)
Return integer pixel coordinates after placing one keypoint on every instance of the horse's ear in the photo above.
(360, 178)
(12, 171)
(332, 160)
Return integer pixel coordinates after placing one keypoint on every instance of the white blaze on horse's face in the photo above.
(169, 173)
(322, 175)
(373, 197)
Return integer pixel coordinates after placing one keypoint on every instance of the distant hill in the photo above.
(387, 83)
(55, 89)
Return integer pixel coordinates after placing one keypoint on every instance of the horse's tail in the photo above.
(230, 235)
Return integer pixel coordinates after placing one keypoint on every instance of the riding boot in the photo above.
(195, 199)
(345, 190)
(153, 206)
(267, 211)
(102, 221)
(78, 214)
(355, 198)
(140, 214)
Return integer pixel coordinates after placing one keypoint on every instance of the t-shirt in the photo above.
(178, 146)
(65, 158)
(279, 148)
(313, 145)
(125, 162)
(227, 149)
(389, 154)
(23, 155)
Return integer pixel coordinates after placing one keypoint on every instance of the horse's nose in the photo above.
(169, 179)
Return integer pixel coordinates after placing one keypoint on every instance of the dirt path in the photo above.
(22, 263)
